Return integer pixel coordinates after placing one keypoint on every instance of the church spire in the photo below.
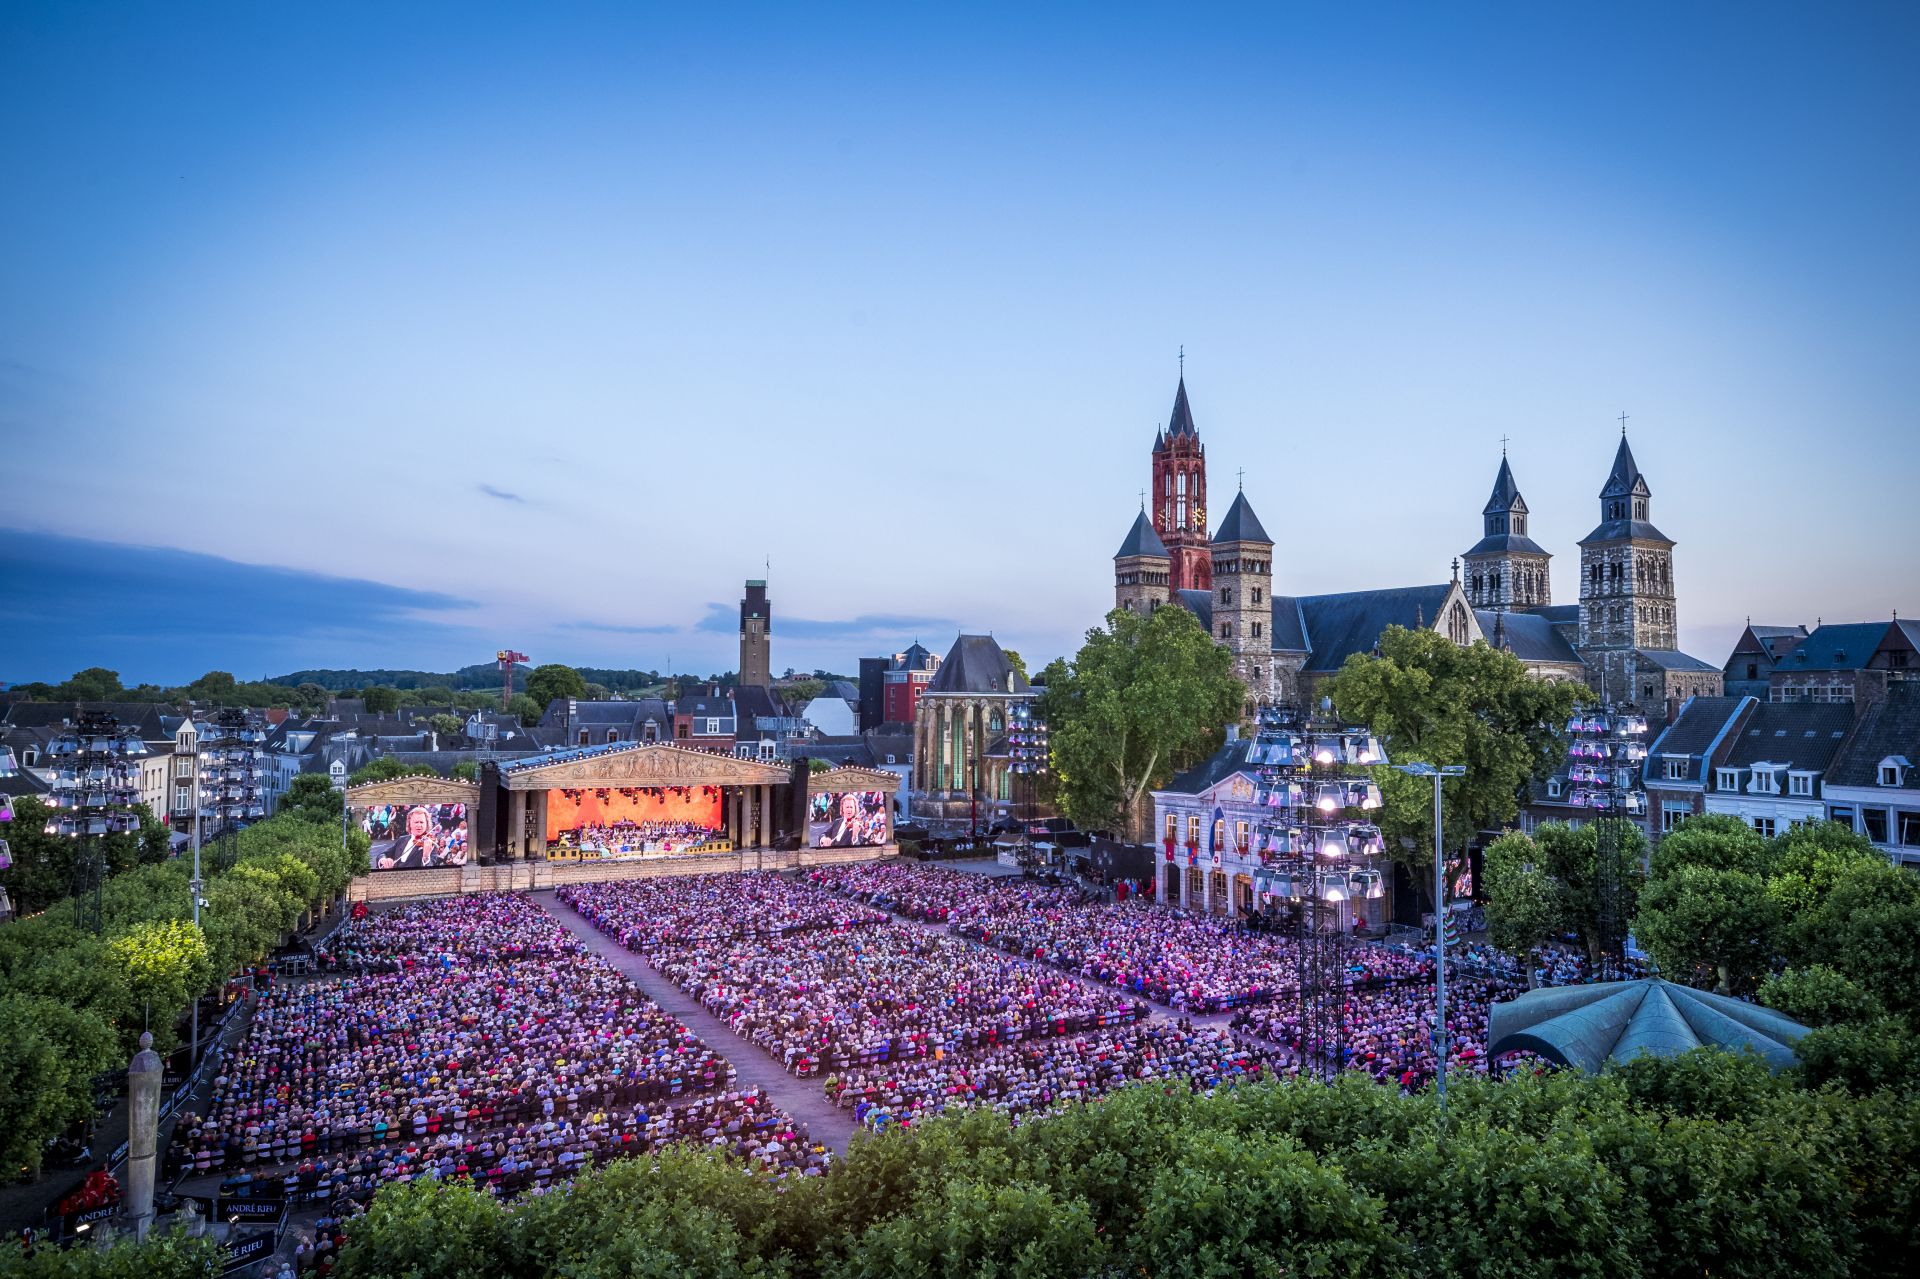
(1506, 493)
(1625, 478)
(1181, 423)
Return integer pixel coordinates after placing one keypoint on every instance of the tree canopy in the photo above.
(1432, 701)
(1144, 697)
(553, 681)
(1549, 884)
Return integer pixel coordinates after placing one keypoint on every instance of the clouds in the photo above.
(614, 628)
(725, 619)
(167, 616)
(502, 494)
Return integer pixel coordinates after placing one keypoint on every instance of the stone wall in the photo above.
(527, 875)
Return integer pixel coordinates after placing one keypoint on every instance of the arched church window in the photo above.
(1457, 623)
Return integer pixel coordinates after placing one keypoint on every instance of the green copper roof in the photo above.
(1589, 1026)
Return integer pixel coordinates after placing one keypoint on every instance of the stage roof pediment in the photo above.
(851, 777)
(423, 789)
(646, 764)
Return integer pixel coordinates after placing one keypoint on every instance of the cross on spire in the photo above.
(1143, 499)
(1183, 360)
(1241, 476)
(1503, 446)
(1623, 424)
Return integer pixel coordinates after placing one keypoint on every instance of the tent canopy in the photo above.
(1589, 1026)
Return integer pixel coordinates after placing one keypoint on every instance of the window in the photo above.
(583, 737)
(1171, 834)
(1890, 772)
(1256, 630)
(1727, 778)
(1553, 788)
(1256, 674)
(613, 734)
(1256, 600)
(1909, 824)
(180, 801)
(1219, 834)
(1226, 630)
(1873, 823)
(1226, 595)
(713, 728)
(1672, 814)
(1676, 770)
(1240, 834)
(1193, 828)
(1800, 783)
(1763, 827)
(1753, 670)
(680, 730)
(1842, 813)
(1763, 782)
(183, 768)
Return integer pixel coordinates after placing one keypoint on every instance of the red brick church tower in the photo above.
(1180, 498)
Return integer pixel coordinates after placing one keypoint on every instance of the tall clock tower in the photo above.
(1180, 498)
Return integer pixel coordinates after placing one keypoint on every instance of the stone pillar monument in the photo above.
(143, 1136)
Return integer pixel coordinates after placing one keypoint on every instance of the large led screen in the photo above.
(847, 819)
(416, 836)
(616, 821)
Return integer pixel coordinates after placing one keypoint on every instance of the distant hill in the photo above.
(483, 676)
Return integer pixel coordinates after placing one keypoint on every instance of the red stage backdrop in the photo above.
(567, 809)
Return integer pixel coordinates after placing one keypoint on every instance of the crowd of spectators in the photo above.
(644, 913)
(474, 1032)
(1036, 1075)
(1193, 963)
(1388, 1030)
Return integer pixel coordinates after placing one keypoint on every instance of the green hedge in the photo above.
(1703, 1165)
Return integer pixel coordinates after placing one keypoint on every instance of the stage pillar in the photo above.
(737, 816)
(763, 801)
(540, 825)
(516, 824)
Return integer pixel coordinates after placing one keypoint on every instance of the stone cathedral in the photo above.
(1620, 639)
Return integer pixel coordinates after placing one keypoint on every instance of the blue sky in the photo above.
(546, 325)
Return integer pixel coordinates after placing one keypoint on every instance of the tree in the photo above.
(95, 684)
(1567, 862)
(383, 769)
(312, 696)
(1143, 698)
(313, 797)
(525, 709)
(49, 1053)
(1717, 841)
(1524, 908)
(1865, 928)
(1017, 662)
(1807, 861)
(379, 699)
(466, 770)
(1432, 701)
(1703, 919)
(1818, 995)
(554, 682)
(167, 964)
(447, 726)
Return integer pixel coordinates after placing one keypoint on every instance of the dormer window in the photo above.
(1553, 788)
(1728, 779)
(1676, 770)
(1893, 770)
(1800, 784)
(1763, 781)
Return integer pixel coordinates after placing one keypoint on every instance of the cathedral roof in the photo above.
(977, 664)
(1528, 636)
(1625, 477)
(1141, 540)
(1241, 524)
(1672, 659)
(1502, 543)
(1200, 604)
(1506, 494)
(1181, 423)
(1622, 530)
(1339, 626)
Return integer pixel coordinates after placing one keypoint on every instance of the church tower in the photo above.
(1626, 587)
(1242, 589)
(1506, 569)
(1180, 497)
(1140, 569)
(756, 637)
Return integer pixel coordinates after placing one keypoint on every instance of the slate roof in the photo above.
(1620, 530)
(1141, 540)
(1222, 764)
(704, 704)
(1289, 625)
(1529, 636)
(1495, 543)
(1890, 726)
(1506, 494)
(144, 717)
(1842, 646)
(1671, 659)
(1698, 726)
(1588, 1026)
(1339, 626)
(1559, 614)
(1802, 735)
(838, 751)
(1200, 604)
(1625, 476)
(623, 714)
(890, 739)
(1241, 524)
(1181, 420)
(917, 658)
(976, 664)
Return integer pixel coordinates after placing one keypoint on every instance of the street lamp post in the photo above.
(1439, 922)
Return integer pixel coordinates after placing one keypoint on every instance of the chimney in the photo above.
(1233, 733)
